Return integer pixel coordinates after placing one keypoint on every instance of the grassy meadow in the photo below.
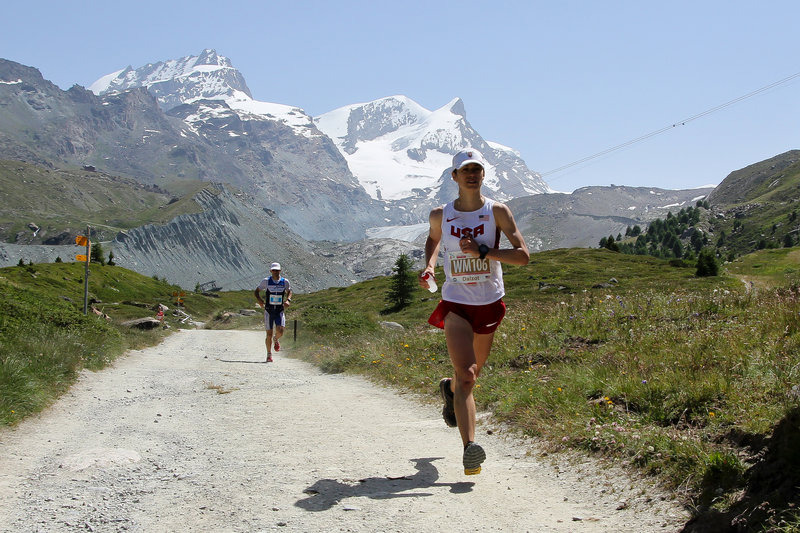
(625, 356)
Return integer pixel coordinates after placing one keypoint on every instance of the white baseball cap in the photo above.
(275, 266)
(465, 157)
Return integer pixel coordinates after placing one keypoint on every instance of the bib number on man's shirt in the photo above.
(275, 299)
(467, 269)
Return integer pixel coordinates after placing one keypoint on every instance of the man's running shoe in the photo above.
(277, 346)
(473, 457)
(269, 358)
(448, 411)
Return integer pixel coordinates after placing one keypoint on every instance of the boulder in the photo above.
(142, 323)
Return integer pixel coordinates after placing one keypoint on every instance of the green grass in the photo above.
(45, 340)
(657, 369)
(768, 268)
(52, 200)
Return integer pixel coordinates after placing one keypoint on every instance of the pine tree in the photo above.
(97, 254)
(707, 263)
(402, 284)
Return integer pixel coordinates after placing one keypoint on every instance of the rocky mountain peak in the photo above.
(416, 146)
(207, 76)
(456, 107)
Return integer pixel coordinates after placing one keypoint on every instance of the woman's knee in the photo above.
(465, 377)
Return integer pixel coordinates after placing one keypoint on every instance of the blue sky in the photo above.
(557, 81)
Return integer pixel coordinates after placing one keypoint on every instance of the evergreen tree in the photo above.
(677, 249)
(697, 240)
(788, 242)
(707, 263)
(402, 284)
(96, 255)
(111, 258)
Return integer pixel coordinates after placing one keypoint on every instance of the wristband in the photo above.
(483, 249)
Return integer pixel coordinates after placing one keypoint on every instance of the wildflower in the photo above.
(559, 389)
(644, 382)
(405, 345)
(711, 414)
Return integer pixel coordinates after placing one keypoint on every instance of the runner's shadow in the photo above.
(326, 493)
(241, 361)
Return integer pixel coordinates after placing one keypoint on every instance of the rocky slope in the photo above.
(582, 218)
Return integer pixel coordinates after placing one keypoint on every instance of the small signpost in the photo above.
(82, 240)
(179, 297)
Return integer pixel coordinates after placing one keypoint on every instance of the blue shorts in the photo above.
(274, 318)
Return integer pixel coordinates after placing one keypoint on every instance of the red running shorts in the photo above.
(483, 318)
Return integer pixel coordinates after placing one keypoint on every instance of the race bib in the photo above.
(275, 299)
(467, 269)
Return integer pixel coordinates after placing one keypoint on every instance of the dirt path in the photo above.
(197, 435)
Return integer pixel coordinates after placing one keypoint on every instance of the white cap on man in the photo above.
(465, 157)
(275, 266)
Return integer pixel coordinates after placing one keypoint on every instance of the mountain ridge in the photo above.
(279, 174)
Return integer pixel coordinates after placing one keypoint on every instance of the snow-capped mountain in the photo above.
(273, 152)
(397, 149)
(192, 79)
(387, 162)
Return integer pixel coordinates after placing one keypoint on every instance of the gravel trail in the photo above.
(197, 434)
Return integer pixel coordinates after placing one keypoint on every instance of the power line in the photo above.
(671, 126)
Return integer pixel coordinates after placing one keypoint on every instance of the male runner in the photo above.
(279, 296)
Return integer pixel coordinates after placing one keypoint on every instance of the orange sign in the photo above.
(80, 240)
(81, 258)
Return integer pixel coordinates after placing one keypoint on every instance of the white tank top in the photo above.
(469, 280)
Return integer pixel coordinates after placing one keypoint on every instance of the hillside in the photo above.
(582, 218)
(756, 207)
(50, 205)
(221, 236)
